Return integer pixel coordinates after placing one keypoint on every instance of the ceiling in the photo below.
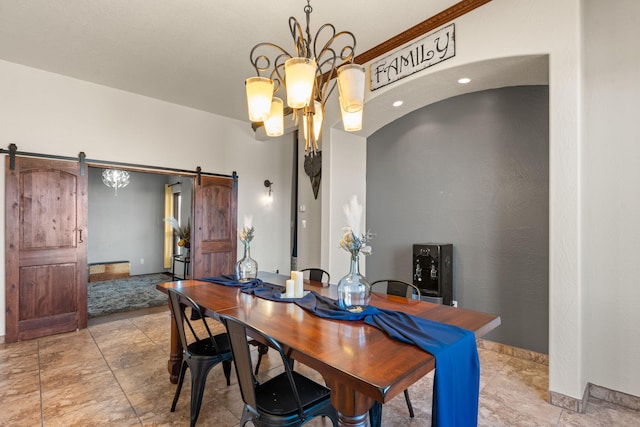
(189, 52)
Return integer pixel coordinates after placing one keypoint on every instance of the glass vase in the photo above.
(354, 291)
(247, 267)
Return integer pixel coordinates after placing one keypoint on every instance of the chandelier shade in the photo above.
(259, 94)
(351, 122)
(115, 178)
(274, 124)
(351, 87)
(307, 75)
(300, 76)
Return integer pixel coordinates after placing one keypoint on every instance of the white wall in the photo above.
(342, 177)
(505, 28)
(309, 219)
(611, 194)
(48, 113)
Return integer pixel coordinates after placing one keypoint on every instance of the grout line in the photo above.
(113, 373)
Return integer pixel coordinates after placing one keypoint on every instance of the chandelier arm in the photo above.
(330, 87)
(299, 41)
(277, 74)
(324, 77)
(328, 59)
(347, 52)
(261, 61)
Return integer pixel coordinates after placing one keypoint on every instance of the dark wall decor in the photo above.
(313, 168)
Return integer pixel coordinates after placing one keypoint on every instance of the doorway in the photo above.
(46, 237)
(127, 235)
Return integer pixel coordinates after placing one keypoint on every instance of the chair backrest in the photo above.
(317, 274)
(396, 287)
(179, 303)
(238, 332)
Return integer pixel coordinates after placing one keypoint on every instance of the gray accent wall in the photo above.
(472, 171)
(129, 226)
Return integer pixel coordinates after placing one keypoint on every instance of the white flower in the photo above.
(353, 212)
(353, 241)
(245, 234)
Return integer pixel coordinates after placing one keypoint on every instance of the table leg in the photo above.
(175, 355)
(351, 405)
(353, 421)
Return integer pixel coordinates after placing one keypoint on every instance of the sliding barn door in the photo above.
(45, 252)
(214, 237)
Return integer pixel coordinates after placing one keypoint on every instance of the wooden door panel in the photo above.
(48, 214)
(214, 241)
(51, 255)
(47, 290)
(216, 199)
(45, 252)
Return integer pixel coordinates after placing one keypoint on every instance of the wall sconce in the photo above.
(268, 198)
(268, 184)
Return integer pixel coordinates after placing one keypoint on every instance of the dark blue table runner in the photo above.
(457, 377)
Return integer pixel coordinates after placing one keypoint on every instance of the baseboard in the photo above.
(597, 392)
(567, 402)
(558, 399)
(520, 353)
(616, 397)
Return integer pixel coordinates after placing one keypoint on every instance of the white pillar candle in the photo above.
(299, 284)
(290, 288)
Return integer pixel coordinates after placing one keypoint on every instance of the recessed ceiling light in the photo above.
(464, 80)
(397, 103)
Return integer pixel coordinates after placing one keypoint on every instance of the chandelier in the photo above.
(306, 76)
(115, 178)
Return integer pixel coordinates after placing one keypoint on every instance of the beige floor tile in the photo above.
(21, 409)
(106, 412)
(601, 414)
(76, 387)
(115, 373)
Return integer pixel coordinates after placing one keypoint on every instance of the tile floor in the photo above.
(115, 373)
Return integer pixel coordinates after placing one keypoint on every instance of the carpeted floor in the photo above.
(135, 292)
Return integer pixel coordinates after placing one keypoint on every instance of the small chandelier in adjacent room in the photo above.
(115, 178)
(307, 77)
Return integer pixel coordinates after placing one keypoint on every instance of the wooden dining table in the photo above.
(359, 363)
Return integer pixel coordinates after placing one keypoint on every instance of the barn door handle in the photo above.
(81, 241)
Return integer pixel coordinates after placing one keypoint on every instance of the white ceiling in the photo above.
(196, 52)
(189, 52)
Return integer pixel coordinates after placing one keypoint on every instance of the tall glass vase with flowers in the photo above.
(247, 267)
(354, 291)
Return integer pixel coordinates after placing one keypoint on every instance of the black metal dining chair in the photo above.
(317, 274)
(404, 290)
(396, 287)
(287, 399)
(198, 354)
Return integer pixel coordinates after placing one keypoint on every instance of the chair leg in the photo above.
(226, 367)
(183, 370)
(198, 380)
(375, 415)
(262, 350)
(409, 405)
